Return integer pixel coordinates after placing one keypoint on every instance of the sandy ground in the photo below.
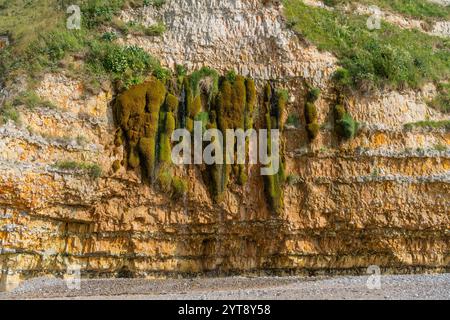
(242, 288)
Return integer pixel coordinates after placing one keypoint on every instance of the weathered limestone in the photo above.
(245, 36)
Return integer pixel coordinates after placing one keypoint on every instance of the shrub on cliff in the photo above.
(313, 130)
(128, 64)
(441, 101)
(343, 78)
(96, 13)
(346, 126)
(119, 59)
(34, 53)
(8, 112)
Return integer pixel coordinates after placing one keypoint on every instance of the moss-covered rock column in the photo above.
(311, 115)
(168, 125)
(138, 113)
(274, 104)
(233, 109)
(251, 101)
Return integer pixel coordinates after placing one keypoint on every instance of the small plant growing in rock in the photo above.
(8, 112)
(231, 75)
(181, 70)
(155, 30)
(81, 140)
(442, 100)
(293, 121)
(283, 94)
(32, 101)
(375, 173)
(346, 127)
(93, 170)
(161, 73)
(313, 95)
(109, 36)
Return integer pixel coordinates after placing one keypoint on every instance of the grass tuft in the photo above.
(93, 170)
(429, 124)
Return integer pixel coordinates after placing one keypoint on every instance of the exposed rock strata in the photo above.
(382, 198)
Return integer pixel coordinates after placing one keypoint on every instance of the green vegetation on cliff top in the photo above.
(419, 9)
(41, 42)
(389, 57)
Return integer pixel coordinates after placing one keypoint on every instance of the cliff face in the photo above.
(381, 198)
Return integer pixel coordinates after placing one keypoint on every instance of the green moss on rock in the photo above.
(313, 130)
(195, 107)
(170, 123)
(137, 112)
(133, 159)
(339, 112)
(251, 95)
(116, 166)
(118, 137)
(171, 104)
(233, 109)
(147, 152)
(274, 183)
(165, 181)
(242, 175)
(345, 126)
(179, 187)
(190, 124)
(147, 115)
(310, 113)
(282, 98)
(165, 148)
(313, 95)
